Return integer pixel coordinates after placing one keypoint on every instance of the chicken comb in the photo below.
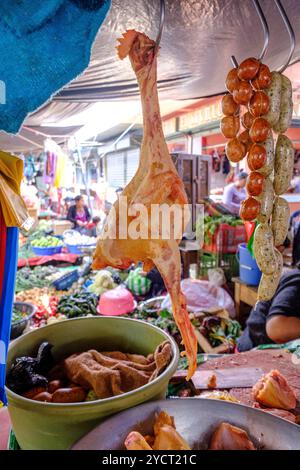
(126, 42)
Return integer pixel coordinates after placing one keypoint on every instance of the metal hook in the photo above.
(265, 28)
(290, 31)
(161, 22)
(266, 31)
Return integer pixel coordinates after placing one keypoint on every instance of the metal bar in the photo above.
(34, 131)
(291, 32)
(266, 32)
(84, 174)
(161, 22)
(113, 145)
(265, 28)
(30, 141)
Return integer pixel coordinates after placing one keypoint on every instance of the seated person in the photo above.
(79, 214)
(91, 227)
(235, 193)
(277, 320)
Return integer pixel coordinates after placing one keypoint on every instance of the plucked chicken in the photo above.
(156, 182)
(228, 437)
(273, 391)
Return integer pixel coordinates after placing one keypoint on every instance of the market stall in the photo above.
(98, 326)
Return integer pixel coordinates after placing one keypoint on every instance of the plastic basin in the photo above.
(249, 271)
(46, 251)
(78, 249)
(40, 425)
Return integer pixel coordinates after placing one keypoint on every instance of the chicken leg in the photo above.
(156, 182)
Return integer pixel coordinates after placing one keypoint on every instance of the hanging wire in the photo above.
(291, 32)
(161, 22)
(266, 32)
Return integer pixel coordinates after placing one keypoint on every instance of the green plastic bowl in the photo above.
(40, 426)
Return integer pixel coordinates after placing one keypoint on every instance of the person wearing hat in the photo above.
(235, 193)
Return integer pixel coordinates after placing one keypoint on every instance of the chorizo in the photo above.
(43, 396)
(264, 250)
(280, 220)
(69, 395)
(283, 165)
(268, 167)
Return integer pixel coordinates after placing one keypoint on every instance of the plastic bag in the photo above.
(13, 207)
(216, 276)
(203, 295)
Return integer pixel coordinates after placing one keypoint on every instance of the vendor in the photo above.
(277, 320)
(79, 214)
(235, 193)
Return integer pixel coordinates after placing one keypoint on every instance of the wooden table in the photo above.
(243, 293)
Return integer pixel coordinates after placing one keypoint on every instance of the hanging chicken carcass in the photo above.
(156, 182)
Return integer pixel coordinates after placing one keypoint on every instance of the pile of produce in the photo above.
(102, 282)
(267, 97)
(162, 319)
(46, 242)
(74, 238)
(17, 315)
(212, 223)
(78, 305)
(46, 301)
(216, 329)
(221, 330)
(40, 276)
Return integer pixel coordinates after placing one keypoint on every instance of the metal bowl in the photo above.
(195, 419)
(19, 326)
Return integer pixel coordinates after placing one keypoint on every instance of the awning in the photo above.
(198, 39)
(31, 138)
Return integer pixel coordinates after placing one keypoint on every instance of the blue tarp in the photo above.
(43, 46)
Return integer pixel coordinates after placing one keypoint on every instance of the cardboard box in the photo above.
(59, 226)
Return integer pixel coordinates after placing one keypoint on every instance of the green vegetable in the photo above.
(78, 305)
(40, 276)
(46, 242)
(17, 315)
(91, 396)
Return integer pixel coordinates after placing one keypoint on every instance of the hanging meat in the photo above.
(155, 182)
(268, 98)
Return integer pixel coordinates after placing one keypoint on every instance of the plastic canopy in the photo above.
(198, 39)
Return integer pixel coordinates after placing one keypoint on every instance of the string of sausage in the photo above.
(268, 99)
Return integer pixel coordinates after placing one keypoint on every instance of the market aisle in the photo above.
(4, 428)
